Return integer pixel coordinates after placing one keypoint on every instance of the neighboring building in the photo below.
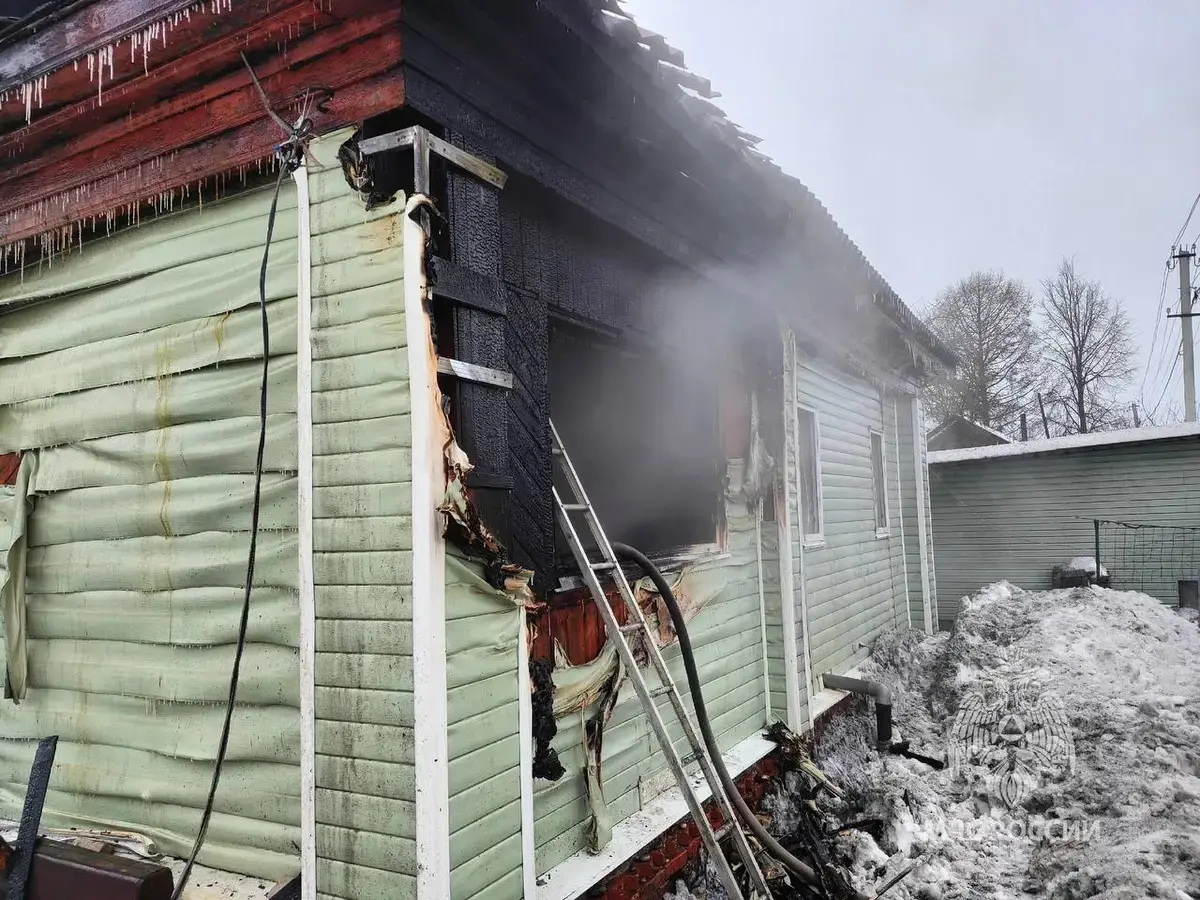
(1015, 512)
(738, 387)
(958, 433)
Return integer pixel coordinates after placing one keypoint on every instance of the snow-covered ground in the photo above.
(1072, 722)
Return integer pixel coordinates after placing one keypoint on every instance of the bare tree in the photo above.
(987, 319)
(1089, 350)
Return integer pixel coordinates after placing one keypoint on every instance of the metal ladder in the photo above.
(618, 634)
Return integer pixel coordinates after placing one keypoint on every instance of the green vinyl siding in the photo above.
(911, 495)
(483, 627)
(727, 639)
(129, 376)
(773, 610)
(853, 579)
(362, 542)
(1016, 518)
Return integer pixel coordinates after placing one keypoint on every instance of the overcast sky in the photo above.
(951, 135)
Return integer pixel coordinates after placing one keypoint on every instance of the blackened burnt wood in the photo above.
(532, 512)
(473, 213)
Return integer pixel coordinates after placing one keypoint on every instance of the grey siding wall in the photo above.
(910, 498)
(1017, 518)
(852, 578)
(362, 545)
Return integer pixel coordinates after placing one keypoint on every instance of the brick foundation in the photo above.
(649, 874)
(654, 869)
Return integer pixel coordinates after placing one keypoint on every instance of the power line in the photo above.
(1186, 222)
(1166, 386)
(1158, 320)
(1169, 339)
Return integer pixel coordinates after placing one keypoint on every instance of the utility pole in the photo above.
(1042, 407)
(1024, 428)
(1137, 423)
(1185, 320)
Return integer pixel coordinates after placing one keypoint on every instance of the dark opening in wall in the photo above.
(642, 429)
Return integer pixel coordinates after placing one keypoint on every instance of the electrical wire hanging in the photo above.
(290, 154)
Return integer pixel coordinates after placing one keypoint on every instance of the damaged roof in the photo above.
(36, 52)
(694, 95)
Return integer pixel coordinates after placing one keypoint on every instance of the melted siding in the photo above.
(362, 544)
(727, 637)
(136, 383)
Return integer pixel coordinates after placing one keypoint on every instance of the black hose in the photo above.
(776, 849)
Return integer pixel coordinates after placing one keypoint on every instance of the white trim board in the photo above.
(430, 739)
(304, 526)
(525, 720)
(787, 585)
(922, 537)
(573, 876)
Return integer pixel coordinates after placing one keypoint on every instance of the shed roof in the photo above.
(1095, 440)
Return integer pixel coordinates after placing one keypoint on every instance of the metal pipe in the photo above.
(880, 693)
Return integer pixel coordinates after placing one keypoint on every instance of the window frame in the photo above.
(673, 557)
(885, 530)
(816, 538)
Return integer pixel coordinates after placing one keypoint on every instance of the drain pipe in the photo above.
(880, 693)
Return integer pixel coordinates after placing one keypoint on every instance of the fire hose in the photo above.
(776, 849)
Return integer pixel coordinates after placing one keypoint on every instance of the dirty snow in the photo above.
(1086, 564)
(1109, 804)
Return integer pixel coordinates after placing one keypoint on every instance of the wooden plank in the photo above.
(242, 146)
(174, 83)
(193, 52)
(336, 69)
(93, 27)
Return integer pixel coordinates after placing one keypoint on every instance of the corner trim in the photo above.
(525, 721)
(796, 406)
(430, 739)
(304, 527)
(787, 587)
(922, 539)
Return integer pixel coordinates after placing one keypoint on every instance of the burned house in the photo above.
(455, 222)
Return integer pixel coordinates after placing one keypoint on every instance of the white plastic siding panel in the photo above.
(795, 528)
(1017, 518)
(849, 579)
(910, 499)
(932, 600)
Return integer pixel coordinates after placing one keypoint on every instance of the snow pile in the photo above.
(1071, 720)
